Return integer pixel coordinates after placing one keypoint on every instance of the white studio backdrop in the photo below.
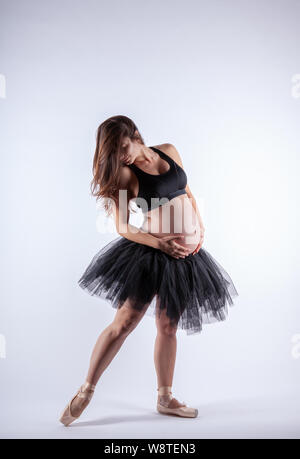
(219, 80)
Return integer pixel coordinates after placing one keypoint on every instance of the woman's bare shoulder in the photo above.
(171, 150)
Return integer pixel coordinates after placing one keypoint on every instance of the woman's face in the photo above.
(129, 150)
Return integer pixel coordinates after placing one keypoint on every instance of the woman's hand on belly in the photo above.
(187, 241)
(168, 245)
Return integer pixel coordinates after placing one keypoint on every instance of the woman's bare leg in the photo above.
(107, 345)
(165, 354)
(111, 340)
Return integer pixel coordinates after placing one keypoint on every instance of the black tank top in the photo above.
(167, 185)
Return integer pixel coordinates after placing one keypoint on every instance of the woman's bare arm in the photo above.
(121, 214)
(172, 151)
(194, 204)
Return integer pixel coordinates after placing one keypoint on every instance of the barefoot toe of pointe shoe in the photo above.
(83, 397)
(172, 406)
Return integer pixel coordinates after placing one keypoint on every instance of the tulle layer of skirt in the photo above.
(192, 290)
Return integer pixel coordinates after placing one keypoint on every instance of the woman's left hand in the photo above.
(202, 229)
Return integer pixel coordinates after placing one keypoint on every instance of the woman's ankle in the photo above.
(88, 386)
(164, 390)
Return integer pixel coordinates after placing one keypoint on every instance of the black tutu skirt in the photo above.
(193, 290)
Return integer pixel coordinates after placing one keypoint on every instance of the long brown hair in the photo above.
(106, 164)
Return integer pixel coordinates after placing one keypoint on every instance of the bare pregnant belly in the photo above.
(177, 218)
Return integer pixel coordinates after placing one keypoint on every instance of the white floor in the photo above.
(273, 416)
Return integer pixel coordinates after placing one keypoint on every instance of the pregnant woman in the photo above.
(160, 268)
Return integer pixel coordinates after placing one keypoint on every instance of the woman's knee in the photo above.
(167, 329)
(166, 326)
(125, 321)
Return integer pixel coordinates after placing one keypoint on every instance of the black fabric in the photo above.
(193, 290)
(167, 185)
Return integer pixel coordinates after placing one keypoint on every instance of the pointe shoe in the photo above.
(164, 407)
(86, 391)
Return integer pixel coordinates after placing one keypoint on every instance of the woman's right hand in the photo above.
(169, 246)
